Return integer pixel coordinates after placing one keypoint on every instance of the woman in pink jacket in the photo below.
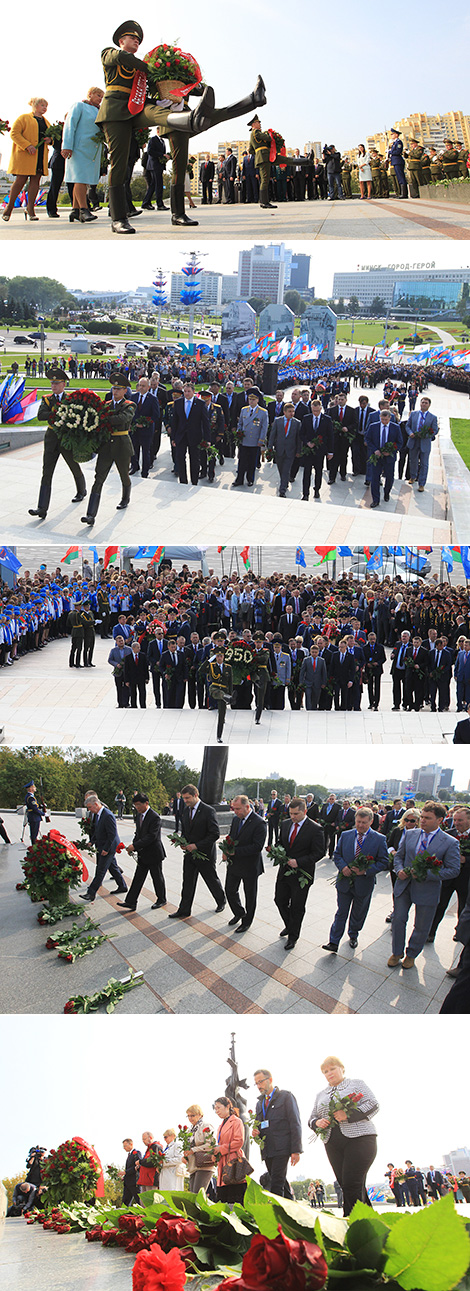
(230, 1140)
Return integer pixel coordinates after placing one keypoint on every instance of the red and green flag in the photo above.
(157, 556)
(245, 557)
(73, 553)
(325, 553)
(111, 556)
(220, 549)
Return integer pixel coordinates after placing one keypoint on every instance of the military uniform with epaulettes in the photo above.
(416, 157)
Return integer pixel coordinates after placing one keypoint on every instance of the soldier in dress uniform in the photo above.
(261, 670)
(104, 611)
(34, 812)
(346, 170)
(220, 686)
(450, 160)
(397, 160)
(375, 160)
(253, 430)
(463, 158)
(120, 66)
(435, 165)
(117, 449)
(53, 450)
(75, 627)
(259, 146)
(88, 622)
(417, 156)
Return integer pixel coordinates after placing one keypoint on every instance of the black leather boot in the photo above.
(177, 206)
(194, 122)
(126, 497)
(256, 99)
(93, 504)
(118, 210)
(43, 502)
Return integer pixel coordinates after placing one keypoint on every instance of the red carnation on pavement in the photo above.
(155, 1270)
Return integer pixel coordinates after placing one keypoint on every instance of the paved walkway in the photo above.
(63, 706)
(382, 220)
(163, 510)
(72, 1264)
(199, 965)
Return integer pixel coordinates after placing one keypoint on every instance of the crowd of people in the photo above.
(317, 433)
(362, 839)
(239, 640)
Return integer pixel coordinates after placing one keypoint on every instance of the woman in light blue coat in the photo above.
(82, 151)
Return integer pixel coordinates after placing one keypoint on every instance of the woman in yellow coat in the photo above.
(29, 155)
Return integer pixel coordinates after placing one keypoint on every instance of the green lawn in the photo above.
(373, 333)
(460, 431)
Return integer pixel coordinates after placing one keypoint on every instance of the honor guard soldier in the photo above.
(53, 449)
(220, 686)
(435, 165)
(260, 146)
(346, 170)
(463, 159)
(450, 160)
(397, 161)
(104, 610)
(261, 674)
(417, 156)
(75, 627)
(117, 449)
(375, 168)
(88, 622)
(119, 114)
(34, 812)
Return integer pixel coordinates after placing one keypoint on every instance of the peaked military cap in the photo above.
(128, 28)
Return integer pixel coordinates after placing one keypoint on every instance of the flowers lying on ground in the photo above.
(110, 995)
(279, 1265)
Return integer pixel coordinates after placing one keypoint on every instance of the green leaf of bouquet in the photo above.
(332, 1227)
(204, 1255)
(365, 1240)
(260, 1205)
(430, 1250)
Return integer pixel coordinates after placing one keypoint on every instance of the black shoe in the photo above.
(219, 908)
(180, 914)
(125, 906)
(53, 215)
(331, 947)
(353, 942)
(267, 206)
(116, 891)
(79, 497)
(374, 504)
(284, 933)
(35, 512)
(183, 219)
(236, 919)
(243, 927)
(290, 944)
(157, 905)
(85, 897)
(163, 208)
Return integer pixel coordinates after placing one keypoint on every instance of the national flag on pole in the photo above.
(8, 558)
(366, 553)
(73, 553)
(465, 558)
(111, 555)
(326, 553)
(376, 560)
(158, 553)
(344, 551)
(245, 557)
(447, 557)
(300, 558)
(220, 549)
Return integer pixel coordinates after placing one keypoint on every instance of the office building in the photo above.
(299, 271)
(427, 780)
(440, 289)
(211, 288)
(229, 287)
(264, 272)
(457, 1160)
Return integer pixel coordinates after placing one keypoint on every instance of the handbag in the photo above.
(236, 1171)
(202, 1158)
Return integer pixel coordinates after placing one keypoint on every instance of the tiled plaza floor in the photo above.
(199, 965)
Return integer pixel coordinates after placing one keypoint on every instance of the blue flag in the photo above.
(376, 561)
(414, 561)
(344, 551)
(300, 558)
(447, 557)
(144, 553)
(395, 551)
(8, 558)
(94, 554)
(465, 554)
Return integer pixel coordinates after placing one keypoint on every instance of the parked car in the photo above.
(393, 566)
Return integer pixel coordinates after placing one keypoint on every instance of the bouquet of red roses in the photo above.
(424, 863)
(50, 861)
(71, 1173)
(227, 846)
(82, 423)
(389, 449)
(338, 1103)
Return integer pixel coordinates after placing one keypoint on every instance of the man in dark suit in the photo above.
(144, 427)
(356, 876)
(131, 1170)
(315, 426)
(346, 817)
(343, 675)
(276, 407)
(462, 730)
(330, 812)
(393, 815)
(460, 884)
(312, 677)
(136, 675)
(105, 838)
(274, 816)
(435, 1182)
(230, 174)
(375, 659)
(303, 842)
(344, 419)
(156, 162)
(174, 670)
(288, 624)
(248, 831)
(155, 650)
(399, 654)
(190, 425)
(201, 831)
(440, 673)
(147, 843)
(280, 1132)
(415, 675)
(206, 178)
(379, 435)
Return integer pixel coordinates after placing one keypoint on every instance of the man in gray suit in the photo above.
(312, 677)
(284, 440)
(253, 429)
(281, 663)
(423, 894)
(105, 837)
(419, 444)
(117, 658)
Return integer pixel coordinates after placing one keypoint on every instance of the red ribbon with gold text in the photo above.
(59, 838)
(86, 1147)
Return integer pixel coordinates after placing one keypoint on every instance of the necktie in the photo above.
(414, 653)
(341, 414)
(286, 425)
(293, 835)
(314, 664)
(420, 420)
(383, 434)
(359, 842)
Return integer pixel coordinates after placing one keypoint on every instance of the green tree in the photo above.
(257, 303)
(377, 307)
(171, 776)
(10, 1184)
(61, 780)
(122, 768)
(354, 305)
